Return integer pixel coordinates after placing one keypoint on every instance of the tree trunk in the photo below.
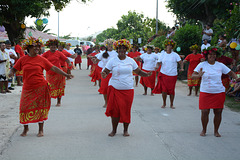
(14, 31)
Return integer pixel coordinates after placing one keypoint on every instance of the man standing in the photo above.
(78, 59)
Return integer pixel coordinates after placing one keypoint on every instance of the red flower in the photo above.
(214, 49)
(205, 52)
(210, 51)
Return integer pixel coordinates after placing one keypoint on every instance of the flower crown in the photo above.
(169, 41)
(122, 42)
(31, 41)
(211, 49)
(63, 44)
(52, 42)
(69, 44)
(194, 47)
(108, 42)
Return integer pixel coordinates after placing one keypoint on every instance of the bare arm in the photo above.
(181, 65)
(73, 55)
(137, 58)
(197, 75)
(68, 62)
(105, 72)
(142, 73)
(12, 72)
(158, 65)
(233, 75)
(59, 71)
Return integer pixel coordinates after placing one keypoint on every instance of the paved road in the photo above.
(79, 129)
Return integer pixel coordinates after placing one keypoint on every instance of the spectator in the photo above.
(207, 33)
(4, 68)
(205, 45)
(78, 60)
(222, 42)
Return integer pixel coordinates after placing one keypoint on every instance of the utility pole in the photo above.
(58, 25)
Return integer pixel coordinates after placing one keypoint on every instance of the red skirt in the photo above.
(192, 82)
(96, 74)
(165, 84)
(149, 81)
(89, 62)
(93, 67)
(104, 84)
(57, 85)
(211, 100)
(34, 105)
(78, 59)
(119, 104)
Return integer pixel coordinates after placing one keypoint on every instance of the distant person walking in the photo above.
(78, 59)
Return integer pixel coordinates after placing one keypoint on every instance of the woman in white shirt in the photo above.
(167, 76)
(212, 91)
(120, 90)
(149, 64)
(103, 58)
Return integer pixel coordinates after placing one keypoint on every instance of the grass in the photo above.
(232, 104)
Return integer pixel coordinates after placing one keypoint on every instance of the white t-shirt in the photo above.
(103, 61)
(11, 52)
(3, 56)
(211, 80)
(169, 63)
(72, 53)
(149, 61)
(207, 36)
(205, 46)
(122, 77)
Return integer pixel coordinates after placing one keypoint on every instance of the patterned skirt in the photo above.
(57, 85)
(35, 105)
(19, 73)
(193, 82)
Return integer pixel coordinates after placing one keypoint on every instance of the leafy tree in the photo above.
(205, 11)
(106, 34)
(188, 36)
(41, 28)
(66, 36)
(14, 12)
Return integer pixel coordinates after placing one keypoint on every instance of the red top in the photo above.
(19, 50)
(194, 60)
(133, 55)
(55, 58)
(33, 70)
(67, 54)
(227, 61)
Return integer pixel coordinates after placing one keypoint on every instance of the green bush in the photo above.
(158, 42)
(188, 36)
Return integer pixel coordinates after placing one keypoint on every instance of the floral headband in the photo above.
(63, 44)
(169, 41)
(122, 42)
(194, 47)
(52, 42)
(69, 44)
(211, 49)
(108, 42)
(31, 41)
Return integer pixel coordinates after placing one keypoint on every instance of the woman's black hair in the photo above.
(105, 54)
(217, 55)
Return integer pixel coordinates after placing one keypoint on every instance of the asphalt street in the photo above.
(78, 130)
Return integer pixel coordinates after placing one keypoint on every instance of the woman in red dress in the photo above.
(94, 73)
(55, 80)
(135, 54)
(194, 59)
(20, 53)
(35, 99)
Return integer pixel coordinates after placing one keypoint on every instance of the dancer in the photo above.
(134, 54)
(55, 80)
(194, 59)
(35, 99)
(95, 73)
(120, 91)
(167, 76)
(149, 64)
(20, 53)
(212, 91)
(103, 58)
(70, 59)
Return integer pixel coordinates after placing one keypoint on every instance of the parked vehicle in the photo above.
(73, 42)
(87, 43)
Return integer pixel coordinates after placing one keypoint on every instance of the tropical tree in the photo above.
(205, 11)
(14, 12)
(106, 34)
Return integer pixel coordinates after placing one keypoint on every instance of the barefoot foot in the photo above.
(189, 94)
(58, 104)
(24, 133)
(144, 94)
(105, 106)
(172, 107)
(203, 134)
(163, 106)
(40, 134)
(126, 134)
(112, 134)
(216, 134)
